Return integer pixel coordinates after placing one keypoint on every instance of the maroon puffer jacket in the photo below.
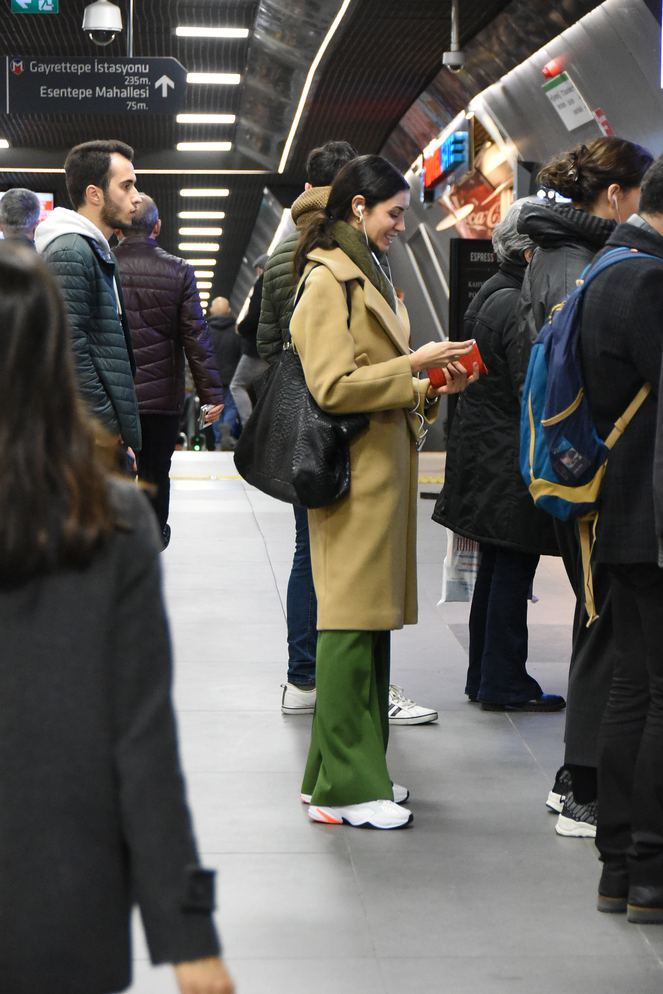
(166, 321)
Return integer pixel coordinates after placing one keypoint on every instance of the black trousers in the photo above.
(159, 438)
(498, 628)
(592, 654)
(630, 776)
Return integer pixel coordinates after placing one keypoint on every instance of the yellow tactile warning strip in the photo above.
(235, 476)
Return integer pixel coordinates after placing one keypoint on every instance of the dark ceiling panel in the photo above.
(387, 52)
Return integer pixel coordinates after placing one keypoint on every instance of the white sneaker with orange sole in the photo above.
(371, 814)
(401, 795)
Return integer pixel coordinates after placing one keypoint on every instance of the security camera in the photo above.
(102, 21)
(454, 61)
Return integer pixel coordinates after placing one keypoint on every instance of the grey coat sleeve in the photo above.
(174, 894)
(75, 278)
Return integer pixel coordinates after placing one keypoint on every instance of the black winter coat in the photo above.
(166, 321)
(484, 497)
(93, 816)
(226, 344)
(622, 343)
(567, 240)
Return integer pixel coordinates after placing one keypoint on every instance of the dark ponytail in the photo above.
(585, 171)
(369, 175)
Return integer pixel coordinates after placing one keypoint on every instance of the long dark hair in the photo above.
(369, 175)
(585, 170)
(54, 502)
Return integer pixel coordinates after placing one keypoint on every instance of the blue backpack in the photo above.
(562, 456)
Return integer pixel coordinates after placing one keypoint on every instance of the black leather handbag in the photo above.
(289, 447)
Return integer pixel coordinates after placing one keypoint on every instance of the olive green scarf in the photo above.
(354, 245)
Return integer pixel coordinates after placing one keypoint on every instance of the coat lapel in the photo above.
(344, 269)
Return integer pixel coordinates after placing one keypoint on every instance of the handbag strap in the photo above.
(300, 289)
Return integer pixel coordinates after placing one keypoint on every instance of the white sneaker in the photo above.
(403, 711)
(401, 795)
(371, 814)
(296, 700)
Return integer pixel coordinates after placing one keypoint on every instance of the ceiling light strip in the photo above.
(215, 78)
(214, 232)
(203, 146)
(201, 215)
(200, 32)
(205, 118)
(309, 81)
(199, 246)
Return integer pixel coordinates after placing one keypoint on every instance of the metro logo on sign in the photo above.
(17, 66)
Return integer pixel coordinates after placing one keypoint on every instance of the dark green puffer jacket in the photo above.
(280, 282)
(101, 342)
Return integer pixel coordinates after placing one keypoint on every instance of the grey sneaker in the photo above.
(577, 821)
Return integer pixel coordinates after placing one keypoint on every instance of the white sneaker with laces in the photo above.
(371, 814)
(401, 795)
(296, 700)
(404, 711)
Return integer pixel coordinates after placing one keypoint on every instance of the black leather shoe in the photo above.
(645, 904)
(547, 702)
(613, 888)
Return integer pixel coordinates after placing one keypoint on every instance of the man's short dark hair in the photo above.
(325, 162)
(90, 163)
(651, 197)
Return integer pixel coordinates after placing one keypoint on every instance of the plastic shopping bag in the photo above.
(460, 568)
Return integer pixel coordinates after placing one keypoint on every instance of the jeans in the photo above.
(229, 416)
(302, 608)
(248, 370)
(498, 628)
(159, 437)
(630, 780)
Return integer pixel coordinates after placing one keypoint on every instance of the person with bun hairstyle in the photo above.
(94, 816)
(602, 180)
(352, 335)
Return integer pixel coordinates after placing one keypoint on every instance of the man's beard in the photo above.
(112, 217)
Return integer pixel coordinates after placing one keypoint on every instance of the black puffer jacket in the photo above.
(567, 240)
(622, 342)
(227, 345)
(484, 497)
(166, 321)
(82, 263)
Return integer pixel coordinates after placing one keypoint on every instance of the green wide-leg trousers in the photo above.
(347, 755)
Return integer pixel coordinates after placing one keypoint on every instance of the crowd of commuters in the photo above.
(99, 819)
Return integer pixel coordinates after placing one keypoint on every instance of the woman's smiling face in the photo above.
(385, 220)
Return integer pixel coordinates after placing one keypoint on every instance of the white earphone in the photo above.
(360, 211)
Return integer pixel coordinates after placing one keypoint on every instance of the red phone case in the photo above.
(436, 375)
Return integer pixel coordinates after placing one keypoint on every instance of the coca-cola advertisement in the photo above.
(474, 206)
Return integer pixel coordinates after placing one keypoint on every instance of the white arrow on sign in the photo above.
(165, 83)
(24, 3)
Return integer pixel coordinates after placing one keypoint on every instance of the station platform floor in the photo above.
(479, 896)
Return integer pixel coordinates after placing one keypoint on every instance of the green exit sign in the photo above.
(35, 6)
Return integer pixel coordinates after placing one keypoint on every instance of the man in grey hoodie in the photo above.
(101, 183)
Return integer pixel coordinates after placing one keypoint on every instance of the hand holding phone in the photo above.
(467, 361)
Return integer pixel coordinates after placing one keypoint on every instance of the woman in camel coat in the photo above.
(357, 358)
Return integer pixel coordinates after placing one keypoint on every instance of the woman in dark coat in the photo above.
(93, 815)
(484, 497)
(602, 179)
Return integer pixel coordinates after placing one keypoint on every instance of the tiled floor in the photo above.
(480, 896)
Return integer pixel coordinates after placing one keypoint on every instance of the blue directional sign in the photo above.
(35, 7)
(93, 85)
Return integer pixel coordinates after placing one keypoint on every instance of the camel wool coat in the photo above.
(363, 547)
